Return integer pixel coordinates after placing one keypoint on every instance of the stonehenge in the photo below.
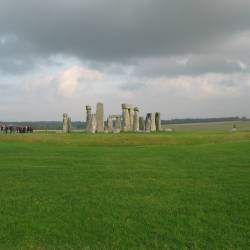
(129, 120)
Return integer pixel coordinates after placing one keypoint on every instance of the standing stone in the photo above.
(151, 117)
(88, 115)
(65, 123)
(69, 124)
(147, 125)
(99, 117)
(141, 123)
(148, 128)
(127, 114)
(118, 123)
(136, 119)
(158, 121)
(110, 123)
(92, 123)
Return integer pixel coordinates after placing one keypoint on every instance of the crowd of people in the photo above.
(17, 129)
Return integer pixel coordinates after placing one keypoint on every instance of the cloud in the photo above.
(65, 83)
(121, 32)
(132, 86)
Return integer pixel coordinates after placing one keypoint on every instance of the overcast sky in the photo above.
(181, 58)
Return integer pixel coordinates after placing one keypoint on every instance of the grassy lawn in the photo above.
(178, 190)
(240, 125)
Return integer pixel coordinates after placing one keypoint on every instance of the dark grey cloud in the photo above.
(121, 32)
(132, 86)
(188, 65)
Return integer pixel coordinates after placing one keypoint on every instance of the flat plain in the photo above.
(177, 190)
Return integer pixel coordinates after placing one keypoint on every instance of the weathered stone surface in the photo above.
(148, 127)
(69, 124)
(115, 116)
(141, 123)
(151, 117)
(92, 123)
(110, 123)
(136, 109)
(126, 120)
(233, 130)
(142, 131)
(167, 129)
(136, 119)
(99, 117)
(88, 108)
(131, 116)
(115, 131)
(65, 123)
(158, 121)
(127, 106)
(118, 123)
(105, 131)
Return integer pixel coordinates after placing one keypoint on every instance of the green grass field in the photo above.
(178, 190)
(240, 125)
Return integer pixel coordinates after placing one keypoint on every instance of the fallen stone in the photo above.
(116, 131)
(233, 130)
(167, 129)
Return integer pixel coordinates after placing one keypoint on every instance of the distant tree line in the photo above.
(57, 125)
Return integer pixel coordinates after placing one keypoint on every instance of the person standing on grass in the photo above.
(6, 129)
(11, 128)
(17, 129)
(1, 128)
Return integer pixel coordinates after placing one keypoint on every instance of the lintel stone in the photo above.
(115, 116)
(127, 106)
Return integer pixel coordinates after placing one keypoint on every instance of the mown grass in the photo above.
(194, 196)
(127, 139)
(240, 125)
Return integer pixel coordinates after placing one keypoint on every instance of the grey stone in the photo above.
(65, 123)
(158, 121)
(88, 113)
(142, 131)
(105, 131)
(136, 119)
(126, 120)
(147, 122)
(151, 117)
(141, 123)
(127, 106)
(110, 123)
(131, 118)
(92, 123)
(115, 130)
(148, 127)
(233, 130)
(115, 116)
(99, 117)
(69, 124)
(167, 129)
(118, 123)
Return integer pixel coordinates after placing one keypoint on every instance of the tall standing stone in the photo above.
(151, 117)
(147, 123)
(99, 117)
(91, 128)
(65, 123)
(158, 121)
(136, 119)
(110, 123)
(69, 124)
(88, 116)
(127, 114)
(118, 123)
(141, 123)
